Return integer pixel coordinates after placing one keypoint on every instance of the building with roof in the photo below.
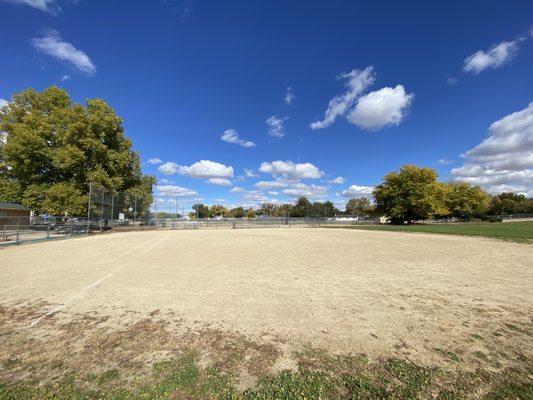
(14, 214)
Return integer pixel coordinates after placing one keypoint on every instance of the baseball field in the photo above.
(267, 313)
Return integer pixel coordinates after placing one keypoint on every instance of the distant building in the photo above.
(14, 214)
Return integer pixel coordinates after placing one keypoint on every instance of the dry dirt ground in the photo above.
(129, 299)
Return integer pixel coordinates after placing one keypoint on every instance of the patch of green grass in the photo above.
(414, 380)
(515, 328)
(450, 354)
(512, 390)
(303, 384)
(108, 376)
(481, 355)
(11, 363)
(361, 388)
(184, 378)
(515, 231)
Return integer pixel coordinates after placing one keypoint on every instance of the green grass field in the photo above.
(515, 231)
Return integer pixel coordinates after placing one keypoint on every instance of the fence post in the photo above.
(135, 211)
(48, 230)
(89, 209)
(112, 207)
(18, 229)
(197, 212)
(102, 209)
(155, 212)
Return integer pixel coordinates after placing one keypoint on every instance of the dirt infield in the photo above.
(383, 294)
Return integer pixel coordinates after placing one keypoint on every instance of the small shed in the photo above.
(14, 214)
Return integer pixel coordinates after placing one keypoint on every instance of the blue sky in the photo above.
(445, 85)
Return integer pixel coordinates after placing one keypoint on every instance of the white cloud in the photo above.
(3, 135)
(232, 136)
(289, 96)
(357, 83)
(311, 191)
(337, 181)
(206, 169)
(357, 191)
(381, 108)
(237, 189)
(182, 8)
(444, 161)
(290, 170)
(174, 191)
(504, 160)
(277, 184)
(249, 173)
(165, 181)
(452, 80)
(154, 161)
(168, 168)
(493, 58)
(53, 45)
(49, 6)
(258, 196)
(219, 181)
(64, 78)
(272, 193)
(275, 126)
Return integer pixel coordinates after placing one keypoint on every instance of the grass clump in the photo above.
(304, 384)
(512, 390)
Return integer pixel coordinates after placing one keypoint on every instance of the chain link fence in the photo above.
(124, 211)
(16, 230)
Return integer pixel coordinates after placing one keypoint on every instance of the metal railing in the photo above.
(17, 230)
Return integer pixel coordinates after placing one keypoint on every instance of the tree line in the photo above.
(405, 196)
(414, 193)
(301, 208)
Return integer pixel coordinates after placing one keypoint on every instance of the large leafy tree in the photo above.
(218, 210)
(411, 194)
(54, 149)
(200, 210)
(510, 203)
(360, 207)
(267, 209)
(464, 201)
(237, 212)
(302, 208)
(319, 209)
(284, 210)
